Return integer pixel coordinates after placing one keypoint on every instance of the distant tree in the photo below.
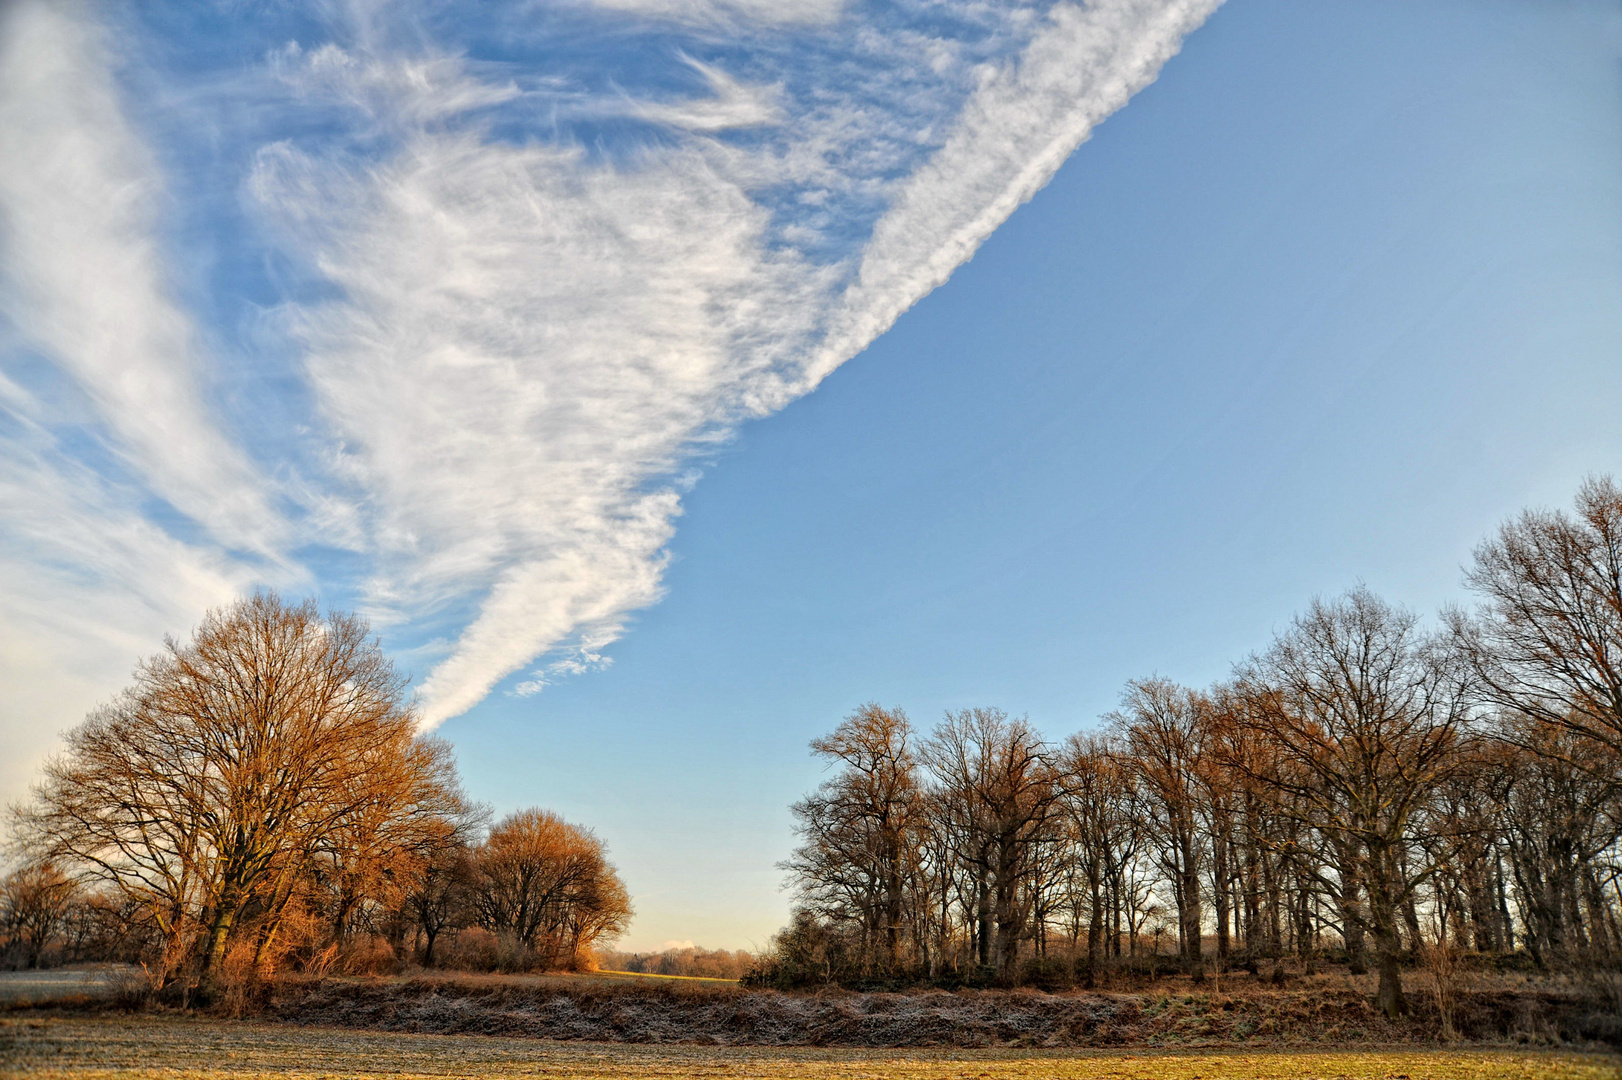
(35, 901)
(549, 887)
(440, 897)
(204, 792)
(688, 961)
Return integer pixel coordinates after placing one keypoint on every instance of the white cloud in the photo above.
(408, 90)
(528, 341)
(80, 197)
(719, 11)
(88, 583)
(1016, 131)
(528, 344)
(87, 587)
(577, 660)
(532, 340)
(733, 106)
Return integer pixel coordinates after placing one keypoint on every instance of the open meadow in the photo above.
(189, 1048)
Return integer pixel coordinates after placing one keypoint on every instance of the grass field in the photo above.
(42, 1047)
(635, 975)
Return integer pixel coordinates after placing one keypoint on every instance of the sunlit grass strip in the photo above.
(41, 1048)
(654, 975)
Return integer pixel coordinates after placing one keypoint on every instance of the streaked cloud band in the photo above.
(525, 304)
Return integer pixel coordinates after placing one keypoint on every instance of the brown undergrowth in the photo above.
(1324, 1015)
(122, 1047)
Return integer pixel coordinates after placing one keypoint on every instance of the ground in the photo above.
(84, 980)
(119, 1046)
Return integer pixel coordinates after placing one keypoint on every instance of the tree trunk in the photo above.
(1389, 998)
(1410, 923)
(984, 928)
(1008, 927)
(1191, 928)
(1387, 940)
(261, 951)
(1095, 932)
(1506, 925)
(1351, 922)
(214, 949)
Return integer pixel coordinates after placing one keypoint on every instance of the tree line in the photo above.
(687, 961)
(260, 799)
(1363, 791)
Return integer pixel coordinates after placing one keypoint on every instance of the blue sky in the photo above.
(559, 342)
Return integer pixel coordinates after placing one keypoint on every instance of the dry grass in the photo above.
(634, 975)
(1322, 1014)
(184, 1048)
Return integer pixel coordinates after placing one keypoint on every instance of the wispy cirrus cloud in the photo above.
(529, 293)
(88, 583)
(80, 200)
(533, 341)
(718, 11)
(734, 105)
(110, 456)
(526, 345)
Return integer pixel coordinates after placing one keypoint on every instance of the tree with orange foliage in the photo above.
(548, 887)
(204, 793)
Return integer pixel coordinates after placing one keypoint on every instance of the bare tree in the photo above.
(440, 897)
(35, 901)
(372, 856)
(1163, 727)
(1105, 834)
(860, 830)
(1363, 718)
(996, 788)
(1548, 643)
(1558, 821)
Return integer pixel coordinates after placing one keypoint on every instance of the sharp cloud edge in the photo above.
(1015, 133)
(722, 294)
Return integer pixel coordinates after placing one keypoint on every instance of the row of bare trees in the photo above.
(260, 798)
(1360, 790)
